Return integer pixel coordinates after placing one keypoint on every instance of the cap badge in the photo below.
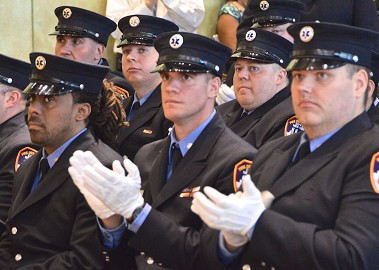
(176, 41)
(40, 62)
(66, 13)
(306, 33)
(134, 21)
(250, 35)
(264, 5)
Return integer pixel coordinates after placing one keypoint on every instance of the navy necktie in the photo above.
(176, 156)
(304, 150)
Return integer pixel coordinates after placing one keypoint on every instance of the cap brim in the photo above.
(309, 63)
(269, 23)
(45, 89)
(68, 33)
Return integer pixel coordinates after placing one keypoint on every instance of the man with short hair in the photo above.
(201, 150)
(15, 144)
(316, 200)
(82, 36)
(50, 225)
(262, 110)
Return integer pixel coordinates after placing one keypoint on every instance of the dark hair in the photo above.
(107, 113)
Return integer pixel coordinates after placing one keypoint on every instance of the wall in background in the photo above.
(25, 25)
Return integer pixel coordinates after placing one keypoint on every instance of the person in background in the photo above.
(187, 14)
(82, 35)
(146, 121)
(15, 143)
(229, 18)
(50, 225)
(274, 17)
(159, 229)
(324, 186)
(262, 110)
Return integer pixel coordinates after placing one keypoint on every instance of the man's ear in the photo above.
(12, 98)
(215, 84)
(83, 111)
(361, 82)
(100, 48)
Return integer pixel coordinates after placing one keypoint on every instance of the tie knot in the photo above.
(44, 167)
(244, 114)
(136, 105)
(303, 151)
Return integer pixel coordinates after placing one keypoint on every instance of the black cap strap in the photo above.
(142, 35)
(71, 28)
(325, 54)
(253, 50)
(6, 79)
(40, 78)
(262, 19)
(184, 58)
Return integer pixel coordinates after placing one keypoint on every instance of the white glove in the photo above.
(118, 192)
(225, 94)
(78, 161)
(234, 214)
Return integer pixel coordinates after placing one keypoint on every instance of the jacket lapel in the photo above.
(51, 182)
(143, 114)
(193, 163)
(313, 162)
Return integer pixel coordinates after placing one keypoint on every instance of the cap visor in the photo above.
(313, 64)
(44, 89)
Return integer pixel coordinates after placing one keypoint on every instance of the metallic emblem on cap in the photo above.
(176, 41)
(40, 62)
(306, 34)
(134, 21)
(264, 5)
(66, 13)
(250, 35)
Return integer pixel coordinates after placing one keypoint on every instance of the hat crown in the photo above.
(143, 29)
(271, 12)
(188, 52)
(65, 75)
(331, 41)
(82, 22)
(14, 72)
(264, 46)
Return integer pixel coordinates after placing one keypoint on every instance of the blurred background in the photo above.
(26, 24)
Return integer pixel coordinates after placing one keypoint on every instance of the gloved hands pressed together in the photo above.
(234, 214)
(107, 191)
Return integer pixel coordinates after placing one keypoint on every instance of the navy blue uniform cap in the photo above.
(265, 13)
(188, 52)
(320, 46)
(54, 76)
(14, 72)
(142, 29)
(74, 21)
(262, 46)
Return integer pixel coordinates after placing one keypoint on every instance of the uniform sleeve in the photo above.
(117, 9)
(350, 242)
(187, 14)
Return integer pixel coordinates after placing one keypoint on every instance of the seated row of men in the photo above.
(313, 193)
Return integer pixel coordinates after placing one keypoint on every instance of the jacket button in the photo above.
(18, 257)
(246, 267)
(14, 230)
(272, 268)
(150, 260)
(263, 264)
